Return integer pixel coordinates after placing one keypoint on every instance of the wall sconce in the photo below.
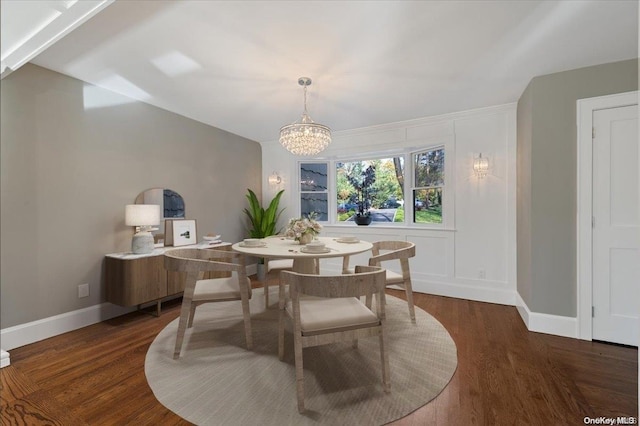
(143, 217)
(480, 166)
(274, 179)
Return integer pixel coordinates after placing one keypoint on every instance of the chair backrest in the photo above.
(384, 251)
(387, 250)
(391, 250)
(195, 262)
(201, 260)
(367, 280)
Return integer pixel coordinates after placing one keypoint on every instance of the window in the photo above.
(428, 186)
(314, 190)
(385, 186)
(375, 185)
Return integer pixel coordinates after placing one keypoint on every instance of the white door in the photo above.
(616, 232)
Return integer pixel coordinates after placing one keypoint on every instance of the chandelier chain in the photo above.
(305, 100)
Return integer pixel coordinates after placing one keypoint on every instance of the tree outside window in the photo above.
(384, 198)
(428, 186)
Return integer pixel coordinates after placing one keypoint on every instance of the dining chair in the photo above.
(385, 251)
(276, 266)
(327, 309)
(194, 263)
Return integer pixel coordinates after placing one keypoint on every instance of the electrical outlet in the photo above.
(482, 274)
(83, 290)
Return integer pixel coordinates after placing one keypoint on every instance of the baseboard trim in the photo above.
(4, 358)
(24, 334)
(478, 293)
(31, 332)
(545, 323)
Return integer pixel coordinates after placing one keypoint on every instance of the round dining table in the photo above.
(304, 262)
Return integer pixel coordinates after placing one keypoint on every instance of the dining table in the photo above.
(304, 261)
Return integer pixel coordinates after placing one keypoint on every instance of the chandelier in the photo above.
(305, 137)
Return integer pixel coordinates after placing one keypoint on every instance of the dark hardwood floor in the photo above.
(506, 375)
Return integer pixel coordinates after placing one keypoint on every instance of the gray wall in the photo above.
(72, 156)
(547, 149)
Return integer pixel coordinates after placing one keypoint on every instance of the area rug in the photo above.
(217, 381)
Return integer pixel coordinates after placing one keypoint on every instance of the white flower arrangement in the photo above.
(298, 227)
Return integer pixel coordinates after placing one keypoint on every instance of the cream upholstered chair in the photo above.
(385, 251)
(276, 266)
(327, 309)
(195, 262)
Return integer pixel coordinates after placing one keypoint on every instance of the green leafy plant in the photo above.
(263, 222)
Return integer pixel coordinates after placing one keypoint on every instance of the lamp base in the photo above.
(142, 243)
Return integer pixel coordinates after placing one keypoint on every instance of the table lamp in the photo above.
(143, 217)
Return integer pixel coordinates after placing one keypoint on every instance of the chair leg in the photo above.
(281, 336)
(281, 319)
(192, 314)
(265, 286)
(409, 292)
(247, 321)
(368, 299)
(297, 346)
(354, 345)
(182, 325)
(384, 358)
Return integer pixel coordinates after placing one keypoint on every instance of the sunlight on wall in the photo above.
(113, 90)
(97, 97)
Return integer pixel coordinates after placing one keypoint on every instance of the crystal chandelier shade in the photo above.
(305, 137)
(480, 166)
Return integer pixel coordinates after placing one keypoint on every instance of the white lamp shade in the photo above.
(142, 214)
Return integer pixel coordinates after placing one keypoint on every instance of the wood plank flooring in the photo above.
(506, 375)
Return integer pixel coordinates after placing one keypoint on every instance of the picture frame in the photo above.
(180, 232)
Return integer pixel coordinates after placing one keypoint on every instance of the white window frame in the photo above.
(445, 188)
(328, 191)
(448, 196)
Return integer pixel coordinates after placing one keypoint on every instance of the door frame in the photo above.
(584, 233)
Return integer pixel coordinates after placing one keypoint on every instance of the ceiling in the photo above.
(235, 65)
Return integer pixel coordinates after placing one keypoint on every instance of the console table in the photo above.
(135, 279)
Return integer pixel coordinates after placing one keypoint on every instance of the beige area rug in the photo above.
(217, 381)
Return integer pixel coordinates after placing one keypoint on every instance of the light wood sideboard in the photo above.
(136, 279)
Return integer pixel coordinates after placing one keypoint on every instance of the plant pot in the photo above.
(362, 220)
(262, 272)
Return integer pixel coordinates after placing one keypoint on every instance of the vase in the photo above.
(362, 220)
(261, 272)
(305, 239)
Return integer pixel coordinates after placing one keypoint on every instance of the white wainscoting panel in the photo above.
(434, 254)
(433, 267)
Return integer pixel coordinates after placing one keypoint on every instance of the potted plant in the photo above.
(362, 184)
(263, 221)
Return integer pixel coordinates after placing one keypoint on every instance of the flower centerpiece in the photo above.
(303, 229)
